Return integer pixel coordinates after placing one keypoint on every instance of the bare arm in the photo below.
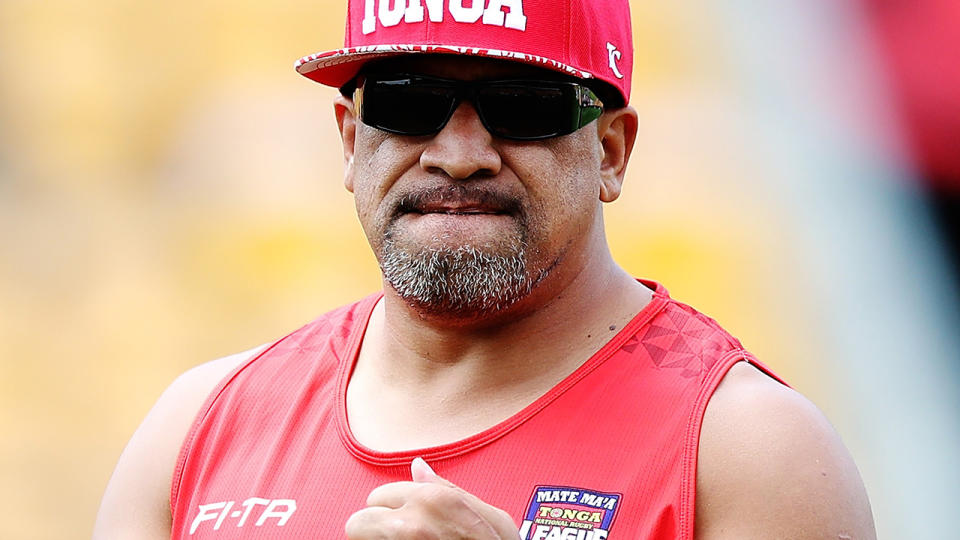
(771, 466)
(136, 504)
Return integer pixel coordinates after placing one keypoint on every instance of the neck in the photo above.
(567, 317)
(422, 380)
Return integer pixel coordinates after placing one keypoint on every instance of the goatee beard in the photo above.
(462, 281)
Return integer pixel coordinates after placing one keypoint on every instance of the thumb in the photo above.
(497, 521)
(421, 472)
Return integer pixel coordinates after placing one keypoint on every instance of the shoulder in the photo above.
(136, 502)
(188, 391)
(770, 465)
(175, 410)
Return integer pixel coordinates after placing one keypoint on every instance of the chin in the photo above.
(461, 281)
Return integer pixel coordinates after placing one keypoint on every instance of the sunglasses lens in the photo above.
(526, 112)
(510, 109)
(406, 106)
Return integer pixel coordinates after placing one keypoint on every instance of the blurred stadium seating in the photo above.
(170, 192)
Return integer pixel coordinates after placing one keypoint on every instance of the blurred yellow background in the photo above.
(170, 192)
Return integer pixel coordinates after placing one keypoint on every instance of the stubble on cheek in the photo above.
(380, 161)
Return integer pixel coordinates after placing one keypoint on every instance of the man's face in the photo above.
(462, 222)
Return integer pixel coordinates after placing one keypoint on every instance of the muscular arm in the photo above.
(771, 466)
(136, 504)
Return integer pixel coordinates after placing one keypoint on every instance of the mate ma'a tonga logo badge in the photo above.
(565, 513)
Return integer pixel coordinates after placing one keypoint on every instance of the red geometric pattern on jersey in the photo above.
(683, 339)
(271, 455)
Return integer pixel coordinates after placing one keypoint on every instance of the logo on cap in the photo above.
(391, 12)
(614, 57)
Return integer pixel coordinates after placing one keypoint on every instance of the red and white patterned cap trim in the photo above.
(320, 66)
(587, 39)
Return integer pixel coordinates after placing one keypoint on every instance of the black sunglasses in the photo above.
(520, 109)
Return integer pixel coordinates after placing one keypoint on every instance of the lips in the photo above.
(459, 208)
(457, 200)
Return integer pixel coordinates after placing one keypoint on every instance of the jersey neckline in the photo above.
(659, 299)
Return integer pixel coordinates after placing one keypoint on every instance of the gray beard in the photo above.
(463, 281)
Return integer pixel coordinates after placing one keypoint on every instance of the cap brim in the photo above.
(336, 68)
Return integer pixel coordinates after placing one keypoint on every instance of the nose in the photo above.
(463, 148)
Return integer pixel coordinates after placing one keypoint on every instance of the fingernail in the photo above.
(419, 463)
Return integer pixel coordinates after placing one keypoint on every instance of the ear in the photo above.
(347, 123)
(617, 130)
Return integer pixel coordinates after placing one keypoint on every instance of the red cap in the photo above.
(583, 38)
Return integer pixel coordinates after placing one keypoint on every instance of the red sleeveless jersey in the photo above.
(609, 452)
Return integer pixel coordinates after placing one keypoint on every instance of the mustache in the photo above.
(461, 195)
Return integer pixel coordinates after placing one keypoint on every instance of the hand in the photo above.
(429, 507)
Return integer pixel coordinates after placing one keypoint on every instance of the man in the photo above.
(511, 381)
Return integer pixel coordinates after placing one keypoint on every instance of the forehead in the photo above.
(466, 68)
